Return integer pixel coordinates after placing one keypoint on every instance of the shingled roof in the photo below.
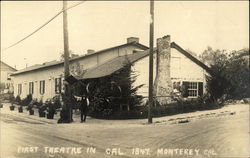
(113, 65)
(58, 63)
(118, 63)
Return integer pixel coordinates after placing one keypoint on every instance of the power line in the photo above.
(39, 28)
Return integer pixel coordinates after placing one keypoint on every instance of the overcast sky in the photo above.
(98, 25)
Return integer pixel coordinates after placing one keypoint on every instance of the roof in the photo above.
(118, 63)
(109, 67)
(113, 65)
(57, 63)
(7, 66)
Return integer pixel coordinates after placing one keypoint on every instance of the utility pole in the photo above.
(151, 47)
(67, 109)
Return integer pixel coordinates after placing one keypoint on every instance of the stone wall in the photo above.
(163, 85)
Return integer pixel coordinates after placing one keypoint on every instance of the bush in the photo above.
(230, 77)
(56, 102)
(11, 98)
(180, 106)
(18, 99)
(51, 109)
(27, 100)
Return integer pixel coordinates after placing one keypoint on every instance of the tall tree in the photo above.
(230, 78)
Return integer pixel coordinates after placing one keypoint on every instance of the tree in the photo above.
(210, 56)
(71, 55)
(107, 93)
(230, 78)
(238, 75)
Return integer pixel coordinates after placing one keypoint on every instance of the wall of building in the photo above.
(5, 78)
(51, 73)
(48, 75)
(181, 69)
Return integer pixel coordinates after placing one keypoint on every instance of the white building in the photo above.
(186, 71)
(46, 80)
(6, 83)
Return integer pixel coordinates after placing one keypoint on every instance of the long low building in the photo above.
(46, 81)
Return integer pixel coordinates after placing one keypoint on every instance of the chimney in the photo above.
(90, 51)
(163, 84)
(133, 39)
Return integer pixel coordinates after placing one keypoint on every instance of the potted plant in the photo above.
(30, 109)
(1, 105)
(41, 110)
(12, 107)
(51, 110)
(20, 109)
(18, 100)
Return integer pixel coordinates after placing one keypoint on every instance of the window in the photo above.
(19, 90)
(31, 87)
(193, 89)
(42, 87)
(58, 85)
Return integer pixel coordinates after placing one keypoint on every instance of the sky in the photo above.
(97, 25)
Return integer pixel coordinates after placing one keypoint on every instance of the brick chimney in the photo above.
(163, 84)
(133, 39)
(90, 51)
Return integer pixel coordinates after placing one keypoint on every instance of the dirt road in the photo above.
(216, 133)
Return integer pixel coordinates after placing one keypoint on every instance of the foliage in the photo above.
(108, 93)
(27, 100)
(211, 57)
(182, 106)
(238, 76)
(51, 108)
(11, 98)
(18, 99)
(71, 55)
(40, 103)
(230, 78)
(56, 102)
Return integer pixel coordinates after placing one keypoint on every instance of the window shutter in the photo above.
(200, 88)
(55, 84)
(60, 85)
(184, 89)
(43, 87)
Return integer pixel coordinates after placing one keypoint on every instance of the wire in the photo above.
(42, 25)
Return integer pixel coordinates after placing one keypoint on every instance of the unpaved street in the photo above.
(215, 133)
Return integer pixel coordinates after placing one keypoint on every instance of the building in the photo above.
(185, 71)
(6, 82)
(44, 81)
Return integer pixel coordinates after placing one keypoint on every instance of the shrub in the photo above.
(26, 101)
(11, 98)
(56, 102)
(18, 99)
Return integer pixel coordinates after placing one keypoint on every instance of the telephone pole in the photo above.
(151, 47)
(67, 109)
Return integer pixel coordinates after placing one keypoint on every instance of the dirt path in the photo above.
(216, 133)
